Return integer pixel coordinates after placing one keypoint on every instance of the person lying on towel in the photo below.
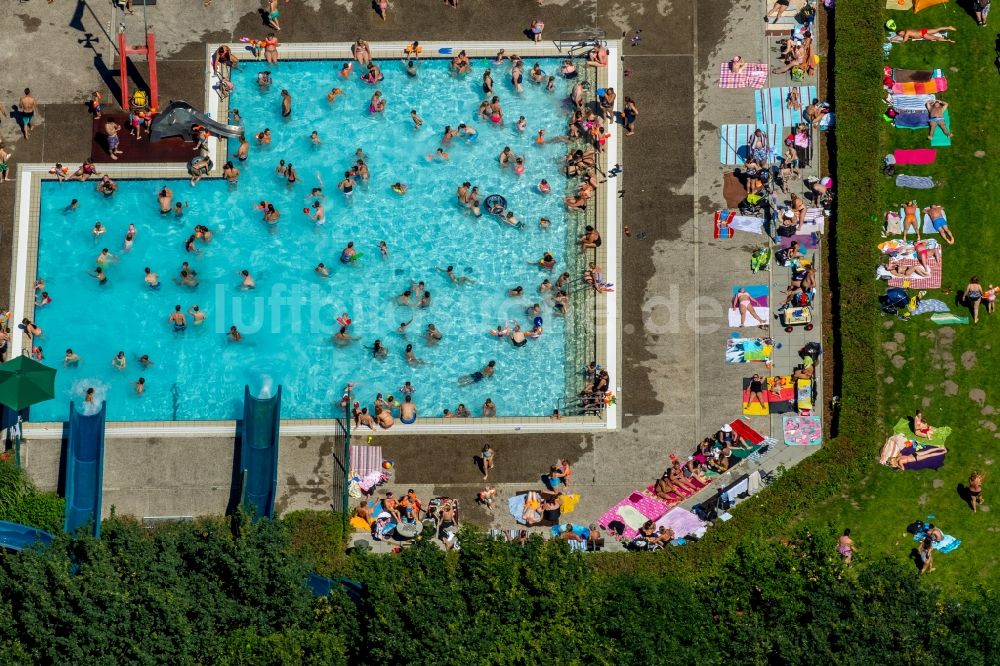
(921, 428)
(926, 34)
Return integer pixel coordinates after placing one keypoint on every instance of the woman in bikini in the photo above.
(973, 297)
(362, 52)
(271, 49)
(746, 304)
(975, 489)
(920, 427)
(910, 218)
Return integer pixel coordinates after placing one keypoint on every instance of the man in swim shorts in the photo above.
(478, 375)
(27, 105)
(111, 128)
(935, 111)
(177, 319)
(407, 411)
(940, 222)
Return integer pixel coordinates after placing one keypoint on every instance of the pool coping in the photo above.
(24, 249)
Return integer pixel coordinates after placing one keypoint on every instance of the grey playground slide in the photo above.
(179, 118)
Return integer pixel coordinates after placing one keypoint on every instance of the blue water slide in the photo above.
(259, 451)
(85, 469)
(14, 536)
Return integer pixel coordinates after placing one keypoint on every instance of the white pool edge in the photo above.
(30, 176)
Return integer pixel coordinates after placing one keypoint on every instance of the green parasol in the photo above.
(24, 382)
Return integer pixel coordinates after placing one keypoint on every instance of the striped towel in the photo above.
(915, 281)
(911, 102)
(734, 148)
(772, 108)
(365, 459)
(754, 75)
(935, 85)
(814, 222)
(914, 182)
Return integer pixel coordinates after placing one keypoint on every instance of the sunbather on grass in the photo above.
(926, 34)
(936, 213)
(893, 268)
(935, 111)
(910, 219)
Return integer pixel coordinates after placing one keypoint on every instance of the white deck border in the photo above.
(24, 265)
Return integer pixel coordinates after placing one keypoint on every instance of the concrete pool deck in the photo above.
(675, 387)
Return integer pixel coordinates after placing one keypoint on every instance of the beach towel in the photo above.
(778, 394)
(365, 460)
(721, 228)
(744, 431)
(935, 85)
(802, 430)
(911, 119)
(893, 224)
(911, 102)
(827, 120)
(678, 495)
(947, 543)
(914, 75)
(921, 5)
(759, 294)
(748, 350)
(754, 225)
(810, 241)
(915, 281)
(733, 190)
(633, 511)
(902, 427)
(734, 138)
(682, 523)
(754, 75)
(928, 226)
(804, 396)
(771, 105)
(948, 319)
(814, 223)
(939, 138)
(902, 5)
(914, 182)
(929, 305)
(914, 155)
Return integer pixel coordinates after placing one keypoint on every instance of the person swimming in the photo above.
(348, 254)
(177, 319)
(478, 375)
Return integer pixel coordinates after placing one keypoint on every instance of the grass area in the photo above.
(946, 372)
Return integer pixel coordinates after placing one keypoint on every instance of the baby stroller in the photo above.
(894, 302)
(760, 260)
(753, 205)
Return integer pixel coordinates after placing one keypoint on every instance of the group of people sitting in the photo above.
(713, 454)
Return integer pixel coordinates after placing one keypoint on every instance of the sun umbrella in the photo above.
(24, 382)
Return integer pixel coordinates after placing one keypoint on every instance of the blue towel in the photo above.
(914, 182)
(912, 120)
(771, 105)
(945, 545)
(733, 145)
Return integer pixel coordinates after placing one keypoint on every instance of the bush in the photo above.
(21, 502)
(318, 538)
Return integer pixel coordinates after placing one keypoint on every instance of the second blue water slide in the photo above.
(85, 470)
(259, 451)
(14, 536)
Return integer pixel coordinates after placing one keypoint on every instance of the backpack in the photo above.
(916, 527)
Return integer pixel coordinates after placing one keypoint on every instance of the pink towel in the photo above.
(915, 155)
(754, 75)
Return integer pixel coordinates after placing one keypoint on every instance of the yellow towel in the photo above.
(567, 503)
(360, 524)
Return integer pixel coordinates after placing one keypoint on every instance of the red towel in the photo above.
(915, 155)
(743, 429)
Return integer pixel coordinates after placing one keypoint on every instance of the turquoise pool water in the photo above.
(288, 319)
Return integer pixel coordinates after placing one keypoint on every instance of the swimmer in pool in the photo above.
(179, 209)
(271, 213)
(321, 270)
(544, 186)
(98, 230)
(411, 358)
(402, 328)
(545, 286)
(425, 300)
(316, 193)
(438, 154)
(71, 359)
(140, 385)
(433, 335)
(186, 279)
(99, 275)
(165, 197)
(378, 350)
(411, 67)
(234, 335)
(384, 249)
(348, 253)
(177, 319)
(516, 292)
(417, 120)
(456, 279)
(522, 124)
(144, 361)
(105, 258)
(73, 205)
(319, 213)
(506, 156)
(89, 396)
(332, 95)
(197, 314)
(314, 137)
(479, 375)
(119, 362)
(512, 220)
(342, 337)
(469, 133)
(247, 282)
(152, 279)
(347, 185)
(517, 336)
(128, 242)
(404, 298)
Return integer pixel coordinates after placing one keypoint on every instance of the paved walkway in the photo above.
(676, 283)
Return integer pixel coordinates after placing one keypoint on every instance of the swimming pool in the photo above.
(288, 319)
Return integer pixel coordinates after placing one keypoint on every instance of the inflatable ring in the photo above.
(211, 165)
(493, 201)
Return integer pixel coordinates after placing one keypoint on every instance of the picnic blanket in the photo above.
(910, 102)
(935, 85)
(939, 138)
(771, 105)
(733, 190)
(733, 144)
(914, 75)
(914, 155)
(632, 512)
(947, 543)
(779, 396)
(940, 434)
(916, 282)
(810, 241)
(682, 523)
(759, 293)
(802, 430)
(754, 75)
(928, 226)
(914, 182)
(911, 119)
(748, 350)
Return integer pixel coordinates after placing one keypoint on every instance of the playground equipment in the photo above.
(149, 50)
(85, 469)
(259, 452)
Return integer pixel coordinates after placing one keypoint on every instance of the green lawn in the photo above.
(942, 365)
